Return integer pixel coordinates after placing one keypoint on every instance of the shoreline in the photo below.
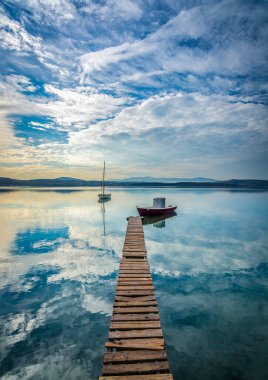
(81, 188)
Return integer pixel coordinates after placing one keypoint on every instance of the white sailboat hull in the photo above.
(104, 196)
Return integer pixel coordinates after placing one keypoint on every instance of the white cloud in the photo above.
(51, 11)
(21, 83)
(200, 40)
(104, 118)
(190, 124)
(112, 9)
(100, 59)
(199, 131)
(76, 108)
(13, 36)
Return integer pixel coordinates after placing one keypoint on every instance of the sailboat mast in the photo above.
(103, 176)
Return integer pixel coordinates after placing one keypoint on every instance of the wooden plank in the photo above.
(135, 310)
(138, 249)
(138, 298)
(134, 356)
(134, 253)
(134, 303)
(131, 261)
(133, 275)
(135, 317)
(129, 255)
(138, 344)
(133, 287)
(135, 236)
(137, 239)
(131, 266)
(135, 282)
(139, 377)
(141, 280)
(135, 368)
(134, 261)
(129, 334)
(134, 325)
(138, 255)
(134, 292)
(134, 249)
(137, 233)
(134, 269)
(133, 230)
(135, 243)
(145, 273)
(135, 265)
(139, 286)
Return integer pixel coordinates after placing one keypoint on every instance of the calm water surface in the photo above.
(60, 252)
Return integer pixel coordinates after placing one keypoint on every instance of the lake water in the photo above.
(60, 252)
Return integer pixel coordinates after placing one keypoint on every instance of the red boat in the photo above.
(144, 211)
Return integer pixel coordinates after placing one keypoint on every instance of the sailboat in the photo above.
(102, 195)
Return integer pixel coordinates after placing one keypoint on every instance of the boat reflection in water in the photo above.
(158, 221)
(102, 201)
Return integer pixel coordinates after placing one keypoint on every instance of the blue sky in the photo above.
(162, 88)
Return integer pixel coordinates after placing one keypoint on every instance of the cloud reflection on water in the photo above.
(208, 265)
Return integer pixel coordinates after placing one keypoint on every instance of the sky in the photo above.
(153, 87)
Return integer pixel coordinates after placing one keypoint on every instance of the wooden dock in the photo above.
(135, 347)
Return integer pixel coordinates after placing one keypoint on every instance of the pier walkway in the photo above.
(135, 347)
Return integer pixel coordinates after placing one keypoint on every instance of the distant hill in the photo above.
(250, 184)
(164, 180)
(69, 179)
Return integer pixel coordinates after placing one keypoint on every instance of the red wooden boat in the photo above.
(144, 211)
